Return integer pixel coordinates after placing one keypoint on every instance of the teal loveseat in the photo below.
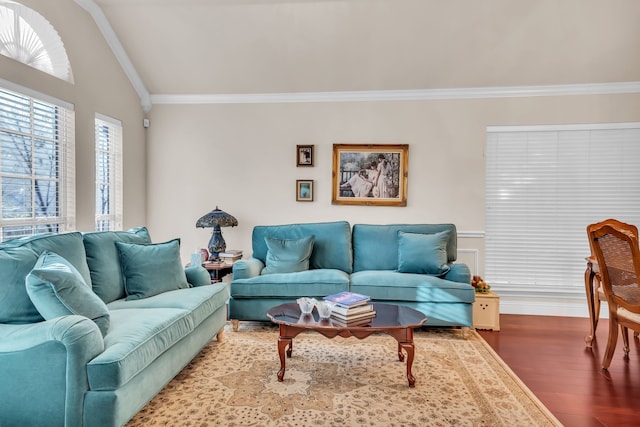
(406, 264)
(123, 318)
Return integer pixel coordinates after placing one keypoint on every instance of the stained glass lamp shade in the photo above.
(216, 219)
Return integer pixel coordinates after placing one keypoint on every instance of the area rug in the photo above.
(345, 382)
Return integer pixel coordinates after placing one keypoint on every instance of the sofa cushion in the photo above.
(375, 247)
(151, 269)
(395, 286)
(57, 289)
(200, 302)
(135, 339)
(331, 248)
(104, 261)
(288, 255)
(310, 283)
(18, 257)
(423, 253)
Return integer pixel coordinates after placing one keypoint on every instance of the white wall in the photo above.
(242, 159)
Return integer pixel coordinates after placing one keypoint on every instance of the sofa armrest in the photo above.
(247, 268)
(44, 370)
(197, 276)
(459, 272)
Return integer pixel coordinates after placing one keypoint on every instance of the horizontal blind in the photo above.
(37, 165)
(544, 185)
(108, 139)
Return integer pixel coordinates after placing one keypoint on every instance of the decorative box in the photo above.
(486, 311)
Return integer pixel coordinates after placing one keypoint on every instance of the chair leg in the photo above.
(625, 341)
(611, 343)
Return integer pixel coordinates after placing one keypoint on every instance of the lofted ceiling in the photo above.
(288, 46)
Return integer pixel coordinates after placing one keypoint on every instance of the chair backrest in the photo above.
(615, 246)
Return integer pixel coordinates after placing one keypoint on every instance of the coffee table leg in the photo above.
(410, 349)
(400, 353)
(282, 344)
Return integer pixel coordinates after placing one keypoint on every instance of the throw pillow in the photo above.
(57, 289)
(288, 255)
(423, 253)
(151, 269)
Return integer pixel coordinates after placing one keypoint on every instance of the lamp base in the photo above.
(216, 243)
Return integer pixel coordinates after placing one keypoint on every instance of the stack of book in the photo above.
(351, 309)
(230, 256)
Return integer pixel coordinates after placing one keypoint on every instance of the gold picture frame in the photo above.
(304, 190)
(304, 155)
(370, 174)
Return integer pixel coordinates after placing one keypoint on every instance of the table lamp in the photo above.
(216, 219)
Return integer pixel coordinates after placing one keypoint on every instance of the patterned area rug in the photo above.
(346, 382)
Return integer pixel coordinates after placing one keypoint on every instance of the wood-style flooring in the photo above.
(549, 355)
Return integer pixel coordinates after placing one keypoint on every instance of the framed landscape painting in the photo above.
(370, 174)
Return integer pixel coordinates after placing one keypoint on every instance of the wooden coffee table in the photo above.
(394, 320)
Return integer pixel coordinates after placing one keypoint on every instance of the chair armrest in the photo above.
(459, 272)
(197, 276)
(247, 268)
(44, 370)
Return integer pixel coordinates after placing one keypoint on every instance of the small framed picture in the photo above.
(304, 190)
(304, 155)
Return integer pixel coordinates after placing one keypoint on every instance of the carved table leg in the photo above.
(589, 276)
(282, 344)
(410, 349)
(400, 353)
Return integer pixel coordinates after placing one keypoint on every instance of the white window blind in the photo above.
(37, 165)
(544, 185)
(108, 173)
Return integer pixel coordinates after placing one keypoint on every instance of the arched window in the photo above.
(28, 37)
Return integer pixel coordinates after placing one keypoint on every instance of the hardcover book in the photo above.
(358, 309)
(349, 318)
(348, 299)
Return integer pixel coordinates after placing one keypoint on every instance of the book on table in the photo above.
(357, 309)
(353, 317)
(361, 322)
(348, 299)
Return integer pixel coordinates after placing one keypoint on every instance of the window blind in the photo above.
(108, 150)
(544, 185)
(37, 165)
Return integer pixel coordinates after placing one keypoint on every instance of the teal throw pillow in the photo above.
(288, 255)
(151, 269)
(57, 289)
(423, 253)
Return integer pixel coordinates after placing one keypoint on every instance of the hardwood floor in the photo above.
(549, 355)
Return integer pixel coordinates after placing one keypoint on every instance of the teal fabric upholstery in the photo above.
(288, 255)
(151, 269)
(18, 257)
(104, 261)
(197, 276)
(48, 368)
(423, 253)
(331, 248)
(375, 247)
(387, 262)
(57, 289)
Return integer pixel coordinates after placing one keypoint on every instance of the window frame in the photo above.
(108, 151)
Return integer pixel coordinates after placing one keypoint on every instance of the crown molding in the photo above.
(121, 55)
(403, 95)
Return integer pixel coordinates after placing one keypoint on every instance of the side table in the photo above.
(217, 272)
(486, 311)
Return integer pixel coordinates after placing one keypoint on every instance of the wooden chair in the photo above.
(615, 246)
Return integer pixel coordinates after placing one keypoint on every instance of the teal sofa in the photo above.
(406, 264)
(123, 318)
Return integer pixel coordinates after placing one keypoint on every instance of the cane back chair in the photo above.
(615, 245)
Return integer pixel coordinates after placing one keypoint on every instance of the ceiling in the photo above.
(288, 46)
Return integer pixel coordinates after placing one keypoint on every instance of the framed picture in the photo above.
(304, 155)
(304, 190)
(370, 174)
